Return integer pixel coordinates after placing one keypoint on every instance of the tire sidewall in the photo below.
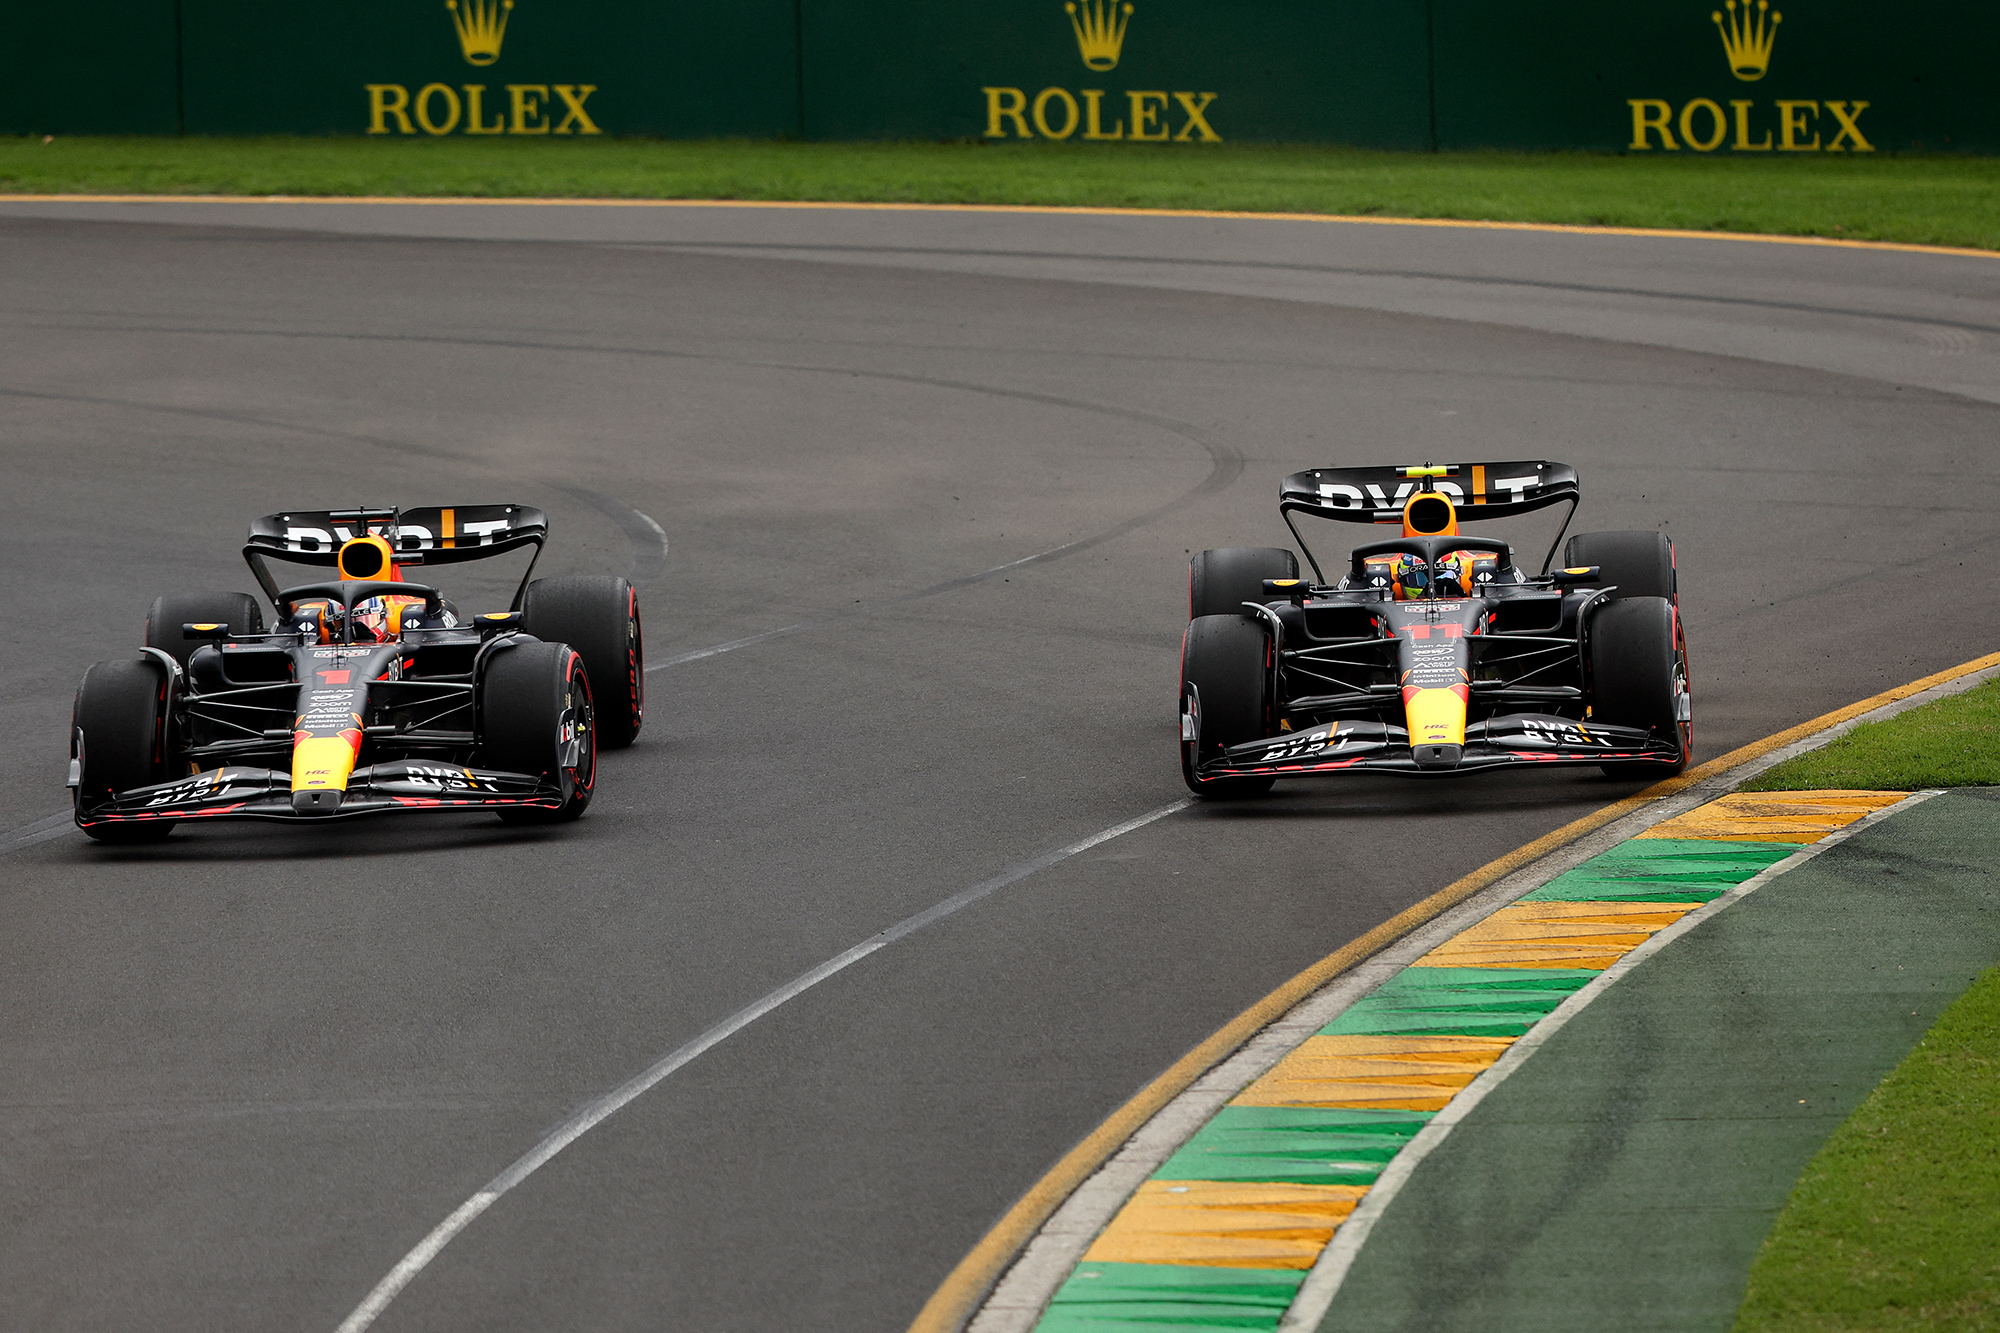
(1638, 669)
(597, 615)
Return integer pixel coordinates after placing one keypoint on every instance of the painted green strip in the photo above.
(1663, 870)
(1144, 1298)
(1299, 1145)
(1460, 1001)
(1625, 1176)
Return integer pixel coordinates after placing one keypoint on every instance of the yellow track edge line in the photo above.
(966, 1285)
(1058, 210)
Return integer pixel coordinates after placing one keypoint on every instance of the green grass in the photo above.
(1895, 1225)
(1930, 200)
(1954, 742)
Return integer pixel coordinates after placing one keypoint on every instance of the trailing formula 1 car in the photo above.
(369, 694)
(1430, 653)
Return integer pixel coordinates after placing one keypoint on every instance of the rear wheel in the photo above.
(1220, 581)
(1641, 564)
(1227, 661)
(238, 610)
(536, 718)
(599, 617)
(1638, 675)
(118, 736)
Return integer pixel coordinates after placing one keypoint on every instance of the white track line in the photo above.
(729, 647)
(1323, 1283)
(595, 1113)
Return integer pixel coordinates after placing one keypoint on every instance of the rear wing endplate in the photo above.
(442, 535)
(1478, 491)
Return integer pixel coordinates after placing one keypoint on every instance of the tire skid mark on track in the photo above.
(594, 1113)
(649, 540)
(1332, 270)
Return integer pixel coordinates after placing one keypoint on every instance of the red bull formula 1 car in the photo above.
(1430, 653)
(369, 693)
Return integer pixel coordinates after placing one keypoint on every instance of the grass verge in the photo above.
(1925, 200)
(1954, 742)
(1895, 1225)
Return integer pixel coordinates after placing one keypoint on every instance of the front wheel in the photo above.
(1639, 678)
(119, 740)
(1225, 674)
(536, 718)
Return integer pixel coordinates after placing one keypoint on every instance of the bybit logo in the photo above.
(482, 25)
(1100, 30)
(1746, 37)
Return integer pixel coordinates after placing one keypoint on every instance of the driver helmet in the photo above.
(1412, 576)
(372, 620)
(384, 618)
(1456, 574)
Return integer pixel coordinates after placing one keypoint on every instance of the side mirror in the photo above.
(492, 622)
(1569, 578)
(204, 630)
(1293, 590)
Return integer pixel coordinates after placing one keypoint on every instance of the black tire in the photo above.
(118, 729)
(1638, 677)
(1640, 564)
(535, 717)
(599, 617)
(1227, 660)
(1219, 582)
(238, 610)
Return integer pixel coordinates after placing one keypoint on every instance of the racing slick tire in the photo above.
(1220, 581)
(118, 735)
(238, 610)
(1227, 660)
(599, 617)
(535, 717)
(1638, 678)
(1637, 564)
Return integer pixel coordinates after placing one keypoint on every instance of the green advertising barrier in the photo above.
(1682, 77)
(555, 68)
(1689, 77)
(106, 68)
(1123, 71)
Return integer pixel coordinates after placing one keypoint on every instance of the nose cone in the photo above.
(320, 801)
(1437, 756)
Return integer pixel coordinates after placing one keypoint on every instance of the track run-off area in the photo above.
(909, 496)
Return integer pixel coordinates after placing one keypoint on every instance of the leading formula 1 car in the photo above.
(1430, 653)
(369, 693)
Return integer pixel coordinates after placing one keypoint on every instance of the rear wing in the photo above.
(436, 536)
(1478, 491)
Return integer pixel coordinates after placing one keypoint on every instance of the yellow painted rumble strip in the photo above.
(1401, 1073)
(967, 1284)
(1556, 934)
(1802, 817)
(1059, 210)
(1225, 1224)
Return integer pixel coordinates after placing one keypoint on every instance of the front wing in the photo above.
(265, 793)
(1376, 747)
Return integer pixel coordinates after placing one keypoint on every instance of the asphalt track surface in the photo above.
(248, 1070)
